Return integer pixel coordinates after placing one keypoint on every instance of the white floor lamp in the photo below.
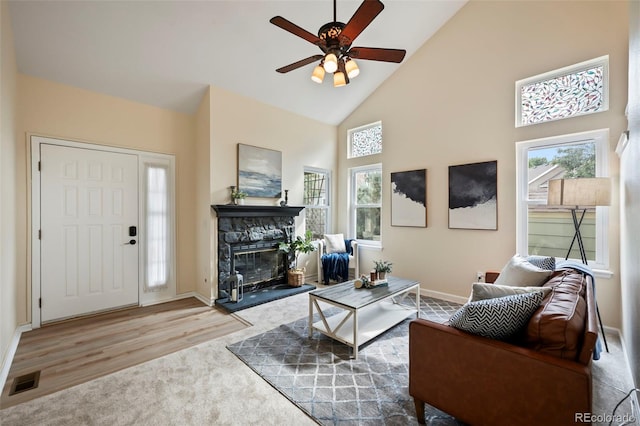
(580, 194)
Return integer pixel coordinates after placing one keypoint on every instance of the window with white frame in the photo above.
(547, 231)
(567, 92)
(365, 140)
(316, 201)
(157, 226)
(366, 203)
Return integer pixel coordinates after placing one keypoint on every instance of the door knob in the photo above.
(132, 242)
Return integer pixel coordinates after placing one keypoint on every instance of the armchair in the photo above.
(336, 252)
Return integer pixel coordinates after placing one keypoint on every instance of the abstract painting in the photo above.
(409, 198)
(473, 196)
(259, 171)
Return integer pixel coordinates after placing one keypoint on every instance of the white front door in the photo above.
(89, 215)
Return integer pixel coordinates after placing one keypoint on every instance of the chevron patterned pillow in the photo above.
(498, 318)
(542, 262)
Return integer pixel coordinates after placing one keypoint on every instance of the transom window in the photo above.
(316, 201)
(571, 91)
(549, 231)
(365, 140)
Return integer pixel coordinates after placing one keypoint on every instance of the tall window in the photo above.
(157, 227)
(366, 202)
(365, 140)
(316, 201)
(574, 90)
(549, 231)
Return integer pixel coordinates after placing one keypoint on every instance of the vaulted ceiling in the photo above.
(166, 53)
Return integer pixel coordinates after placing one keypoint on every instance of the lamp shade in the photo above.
(330, 63)
(352, 68)
(585, 192)
(318, 74)
(338, 79)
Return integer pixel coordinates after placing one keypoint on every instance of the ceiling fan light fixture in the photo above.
(318, 74)
(352, 68)
(339, 80)
(330, 63)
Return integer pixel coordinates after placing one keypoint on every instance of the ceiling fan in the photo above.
(335, 40)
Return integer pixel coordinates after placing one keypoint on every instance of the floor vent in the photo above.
(25, 383)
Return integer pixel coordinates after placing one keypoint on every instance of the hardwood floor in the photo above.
(76, 351)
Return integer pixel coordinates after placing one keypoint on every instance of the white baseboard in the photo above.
(635, 395)
(180, 297)
(11, 352)
(203, 299)
(443, 296)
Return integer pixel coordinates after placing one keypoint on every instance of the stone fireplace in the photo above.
(248, 238)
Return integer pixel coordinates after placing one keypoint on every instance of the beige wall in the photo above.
(10, 270)
(302, 141)
(630, 197)
(452, 103)
(50, 109)
(205, 262)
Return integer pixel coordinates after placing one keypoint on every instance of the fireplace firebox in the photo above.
(248, 238)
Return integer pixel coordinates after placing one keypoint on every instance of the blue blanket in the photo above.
(586, 271)
(335, 266)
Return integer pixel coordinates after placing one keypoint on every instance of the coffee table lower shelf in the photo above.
(369, 322)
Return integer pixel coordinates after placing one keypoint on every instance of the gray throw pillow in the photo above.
(498, 318)
(519, 272)
(482, 291)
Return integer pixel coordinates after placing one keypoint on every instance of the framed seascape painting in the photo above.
(409, 198)
(259, 171)
(473, 196)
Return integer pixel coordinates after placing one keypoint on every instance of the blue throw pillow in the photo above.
(498, 318)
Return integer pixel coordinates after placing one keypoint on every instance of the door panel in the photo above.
(89, 198)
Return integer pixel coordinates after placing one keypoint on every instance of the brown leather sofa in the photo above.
(543, 377)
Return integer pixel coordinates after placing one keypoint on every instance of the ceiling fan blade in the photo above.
(377, 54)
(286, 25)
(366, 13)
(300, 63)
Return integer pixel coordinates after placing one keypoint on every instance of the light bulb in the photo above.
(318, 74)
(338, 79)
(330, 63)
(352, 68)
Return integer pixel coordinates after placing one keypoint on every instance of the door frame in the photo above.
(144, 158)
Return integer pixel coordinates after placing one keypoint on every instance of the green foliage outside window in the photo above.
(579, 161)
(368, 201)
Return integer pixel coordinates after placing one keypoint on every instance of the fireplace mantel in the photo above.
(232, 210)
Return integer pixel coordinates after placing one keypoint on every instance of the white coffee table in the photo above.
(365, 313)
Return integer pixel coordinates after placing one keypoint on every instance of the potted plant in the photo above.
(237, 196)
(293, 248)
(382, 268)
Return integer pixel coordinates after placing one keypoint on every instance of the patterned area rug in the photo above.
(319, 377)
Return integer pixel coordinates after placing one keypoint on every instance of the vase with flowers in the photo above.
(382, 268)
(237, 196)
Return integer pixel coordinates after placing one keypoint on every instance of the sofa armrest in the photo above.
(356, 258)
(491, 276)
(319, 253)
(484, 381)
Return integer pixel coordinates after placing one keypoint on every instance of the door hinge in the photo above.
(39, 166)
(39, 234)
(40, 302)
